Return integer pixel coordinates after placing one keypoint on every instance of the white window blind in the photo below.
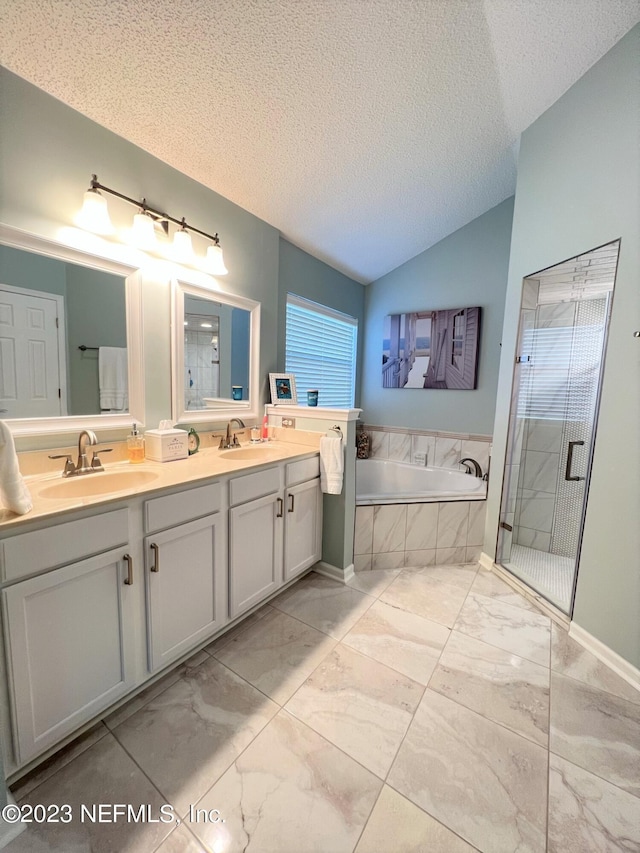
(321, 351)
(559, 381)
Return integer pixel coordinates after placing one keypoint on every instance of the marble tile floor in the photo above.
(412, 710)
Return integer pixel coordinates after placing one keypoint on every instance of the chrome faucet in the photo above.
(87, 437)
(469, 463)
(226, 444)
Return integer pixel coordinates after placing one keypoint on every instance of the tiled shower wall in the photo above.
(443, 449)
(547, 513)
(393, 536)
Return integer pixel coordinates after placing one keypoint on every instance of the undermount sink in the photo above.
(101, 483)
(260, 451)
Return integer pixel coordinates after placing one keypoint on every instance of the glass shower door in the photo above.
(561, 343)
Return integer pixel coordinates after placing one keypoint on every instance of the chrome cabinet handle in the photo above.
(280, 503)
(567, 471)
(156, 551)
(292, 503)
(129, 561)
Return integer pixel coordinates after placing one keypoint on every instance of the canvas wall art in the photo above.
(431, 349)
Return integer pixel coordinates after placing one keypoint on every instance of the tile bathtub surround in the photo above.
(392, 536)
(361, 756)
(443, 450)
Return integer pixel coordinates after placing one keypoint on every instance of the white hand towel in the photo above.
(331, 464)
(113, 379)
(15, 495)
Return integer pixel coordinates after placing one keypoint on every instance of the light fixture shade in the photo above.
(182, 249)
(143, 233)
(94, 214)
(214, 261)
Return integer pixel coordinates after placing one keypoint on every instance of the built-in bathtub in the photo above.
(409, 515)
(383, 481)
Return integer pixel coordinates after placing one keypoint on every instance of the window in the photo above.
(560, 374)
(321, 351)
(457, 348)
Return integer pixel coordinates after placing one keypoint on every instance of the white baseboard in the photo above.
(334, 572)
(486, 561)
(612, 659)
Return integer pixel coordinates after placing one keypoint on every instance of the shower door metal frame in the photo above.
(596, 416)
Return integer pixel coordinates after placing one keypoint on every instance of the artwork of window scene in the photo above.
(431, 349)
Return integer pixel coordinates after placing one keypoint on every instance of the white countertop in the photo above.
(206, 464)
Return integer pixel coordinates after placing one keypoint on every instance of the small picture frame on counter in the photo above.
(283, 389)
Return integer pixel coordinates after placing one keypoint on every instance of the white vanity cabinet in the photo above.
(303, 516)
(67, 633)
(275, 536)
(303, 528)
(185, 573)
(255, 538)
(97, 603)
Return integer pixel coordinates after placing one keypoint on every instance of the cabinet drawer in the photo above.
(29, 553)
(303, 469)
(251, 486)
(182, 506)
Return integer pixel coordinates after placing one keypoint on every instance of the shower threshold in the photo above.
(549, 574)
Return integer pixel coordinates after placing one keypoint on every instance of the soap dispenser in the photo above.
(135, 446)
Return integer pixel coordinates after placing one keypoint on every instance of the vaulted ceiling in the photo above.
(365, 130)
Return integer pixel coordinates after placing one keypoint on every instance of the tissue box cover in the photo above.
(165, 445)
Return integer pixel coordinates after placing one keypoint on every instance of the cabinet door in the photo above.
(303, 527)
(68, 648)
(255, 551)
(186, 587)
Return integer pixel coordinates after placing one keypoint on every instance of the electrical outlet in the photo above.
(289, 423)
(420, 458)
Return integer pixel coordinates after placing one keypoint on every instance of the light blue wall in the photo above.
(312, 279)
(579, 187)
(465, 269)
(34, 272)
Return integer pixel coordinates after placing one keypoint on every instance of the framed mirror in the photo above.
(215, 355)
(70, 338)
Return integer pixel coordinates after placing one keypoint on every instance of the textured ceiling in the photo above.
(365, 130)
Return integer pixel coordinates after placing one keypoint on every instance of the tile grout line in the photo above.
(150, 781)
(366, 823)
(173, 832)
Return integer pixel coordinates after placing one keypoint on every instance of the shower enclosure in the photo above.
(562, 336)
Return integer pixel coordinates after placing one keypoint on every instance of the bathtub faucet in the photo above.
(469, 463)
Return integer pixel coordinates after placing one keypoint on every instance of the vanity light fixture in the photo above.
(182, 245)
(94, 216)
(94, 213)
(143, 234)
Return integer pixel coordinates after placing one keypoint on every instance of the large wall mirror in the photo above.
(70, 338)
(215, 361)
